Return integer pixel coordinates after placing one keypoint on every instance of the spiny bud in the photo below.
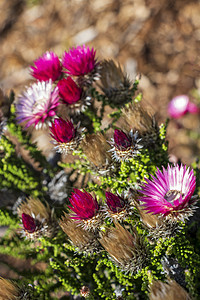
(114, 83)
(66, 136)
(125, 146)
(73, 96)
(86, 209)
(118, 207)
(96, 148)
(167, 291)
(127, 250)
(37, 219)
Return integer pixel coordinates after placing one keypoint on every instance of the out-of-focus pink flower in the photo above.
(47, 67)
(79, 61)
(38, 104)
(181, 105)
(170, 193)
(83, 205)
(69, 91)
(28, 223)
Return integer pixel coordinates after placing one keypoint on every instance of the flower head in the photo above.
(37, 219)
(66, 136)
(170, 193)
(28, 223)
(62, 131)
(125, 146)
(69, 91)
(47, 67)
(79, 61)
(181, 105)
(122, 141)
(114, 202)
(37, 105)
(85, 208)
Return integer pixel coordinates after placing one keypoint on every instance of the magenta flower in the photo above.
(69, 91)
(38, 104)
(122, 141)
(62, 131)
(79, 61)
(47, 67)
(170, 193)
(115, 203)
(125, 146)
(181, 105)
(83, 205)
(28, 223)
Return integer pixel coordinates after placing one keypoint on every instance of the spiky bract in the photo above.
(85, 241)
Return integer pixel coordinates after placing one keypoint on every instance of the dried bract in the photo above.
(84, 240)
(96, 149)
(167, 291)
(114, 83)
(127, 250)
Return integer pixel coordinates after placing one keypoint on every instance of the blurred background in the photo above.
(158, 39)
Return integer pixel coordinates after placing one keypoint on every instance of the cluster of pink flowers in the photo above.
(58, 81)
(169, 194)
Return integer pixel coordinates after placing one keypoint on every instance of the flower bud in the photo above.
(66, 136)
(86, 209)
(37, 219)
(125, 146)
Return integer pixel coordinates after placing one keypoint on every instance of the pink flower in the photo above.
(83, 205)
(170, 193)
(115, 203)
(47, 67)
(69, 91)
(62, 131)
(37, 104)
(79, 61)
(28, 223)
(181, 105)
(122, 141)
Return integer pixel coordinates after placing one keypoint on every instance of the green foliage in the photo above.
(66, 269)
